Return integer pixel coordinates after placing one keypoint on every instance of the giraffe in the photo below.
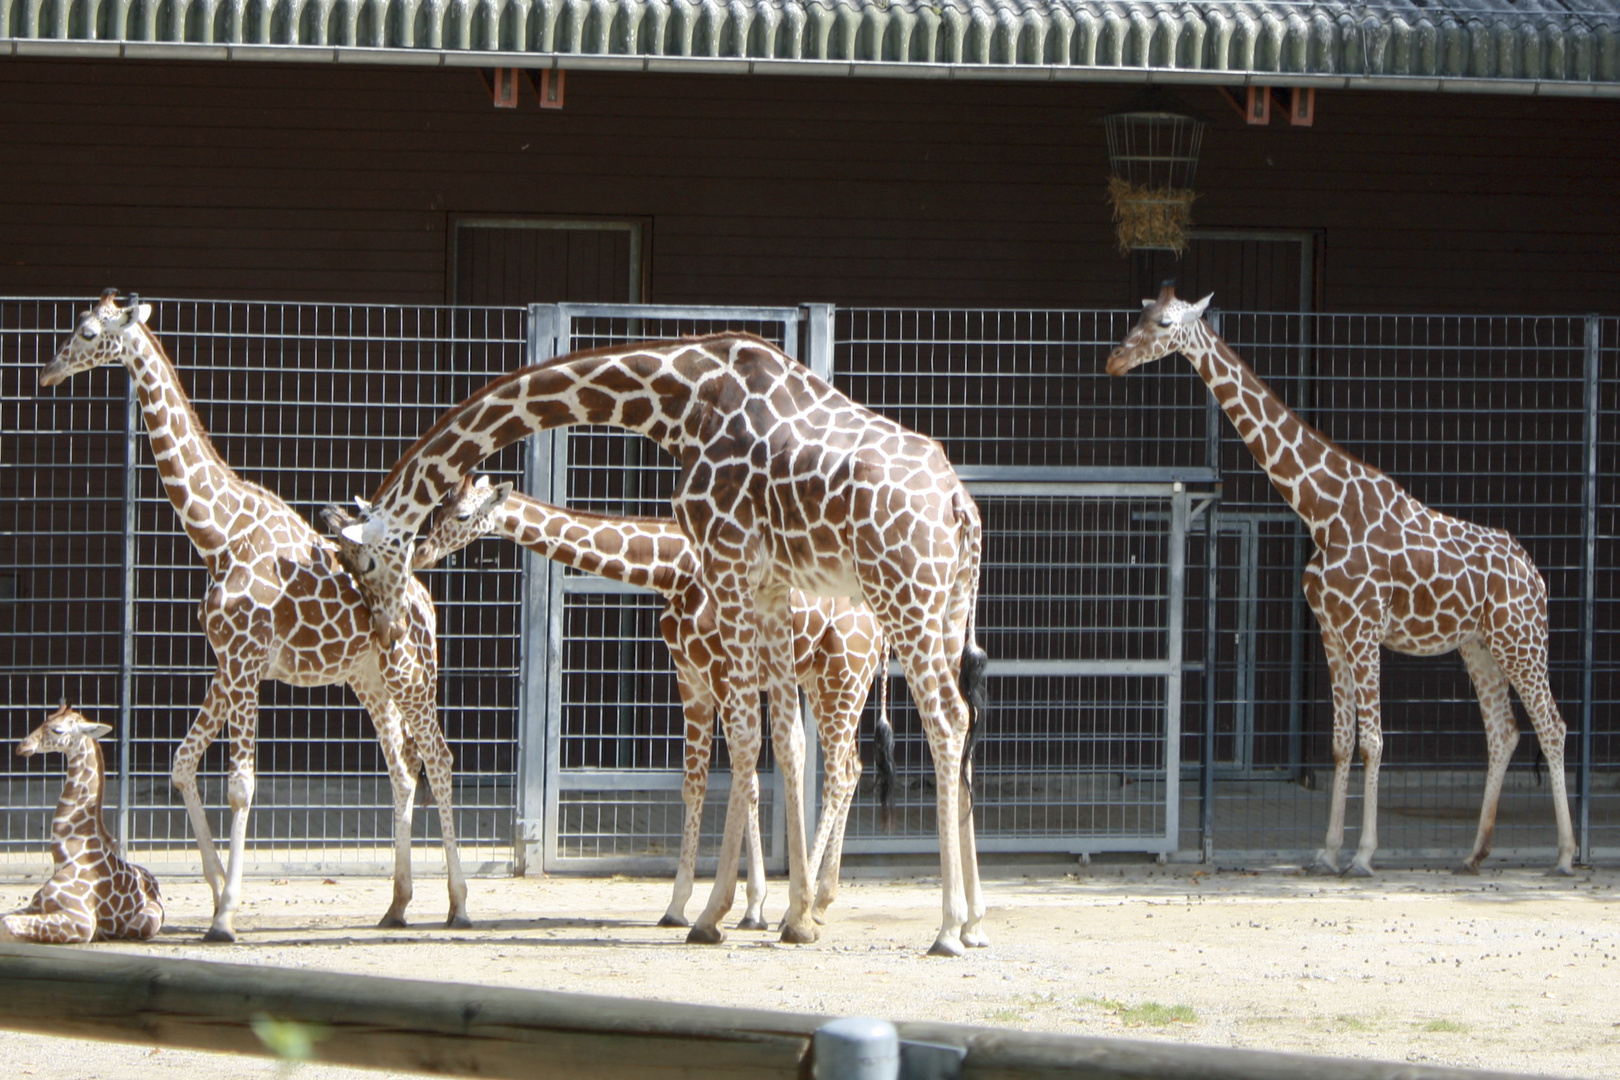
(837, 649)
(93, 892)
(785, 483)
(1388, 571)
(279, 607)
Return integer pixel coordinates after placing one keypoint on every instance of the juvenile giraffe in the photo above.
(837, 649)
(785, 483)
(93, 893)
(280, 607)
(1387, 571)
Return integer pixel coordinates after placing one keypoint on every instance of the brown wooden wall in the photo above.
(335, 182)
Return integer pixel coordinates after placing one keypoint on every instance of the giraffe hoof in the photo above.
(705, 935)
(1561, 871)
(219, 934)
(391, 922)
(1467, 870)
(1322, 866)
(1356, 870)
(946, 946)
(976, 939)
(458, 921)
(674, 920)
(752, 922)
(800, 935)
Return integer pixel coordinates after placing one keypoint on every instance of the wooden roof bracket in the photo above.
(1299, 104)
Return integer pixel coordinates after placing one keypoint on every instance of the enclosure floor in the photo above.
(1510, 970)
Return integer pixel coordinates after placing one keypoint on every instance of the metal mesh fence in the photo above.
(1485, 418)
(1091, 604)
(313, 402)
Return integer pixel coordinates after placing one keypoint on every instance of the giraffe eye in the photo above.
(1167, 322)
(86, 332)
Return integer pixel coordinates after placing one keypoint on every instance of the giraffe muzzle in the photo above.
(54, 372)
(1122, 360)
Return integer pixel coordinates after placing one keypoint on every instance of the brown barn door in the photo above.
(520, 261)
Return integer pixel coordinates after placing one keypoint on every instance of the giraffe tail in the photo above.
(883, 749)
(971, 680)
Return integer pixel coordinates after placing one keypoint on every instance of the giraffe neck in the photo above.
(1304, 465)
(78, 809)
(194, 475)
(650, 552)
(646, 388)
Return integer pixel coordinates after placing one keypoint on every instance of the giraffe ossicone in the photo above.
(837, 650)
(785, 483)
(93, 893)
(1387, 571)
(279, 606)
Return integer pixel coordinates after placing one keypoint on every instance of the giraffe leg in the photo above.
(421, 718)
(65, 920)
(1501, 737)
(699, 714)
(404, 765)
(837, 722)
(787, 739)
(945, 717)
(973, 935)
(1526, 668)
(742, 739)
(1364, 661)
(754, 851)
(239, 790)
(187, 758)
(1344, 746)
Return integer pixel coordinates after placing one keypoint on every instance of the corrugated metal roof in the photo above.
(1534, 46)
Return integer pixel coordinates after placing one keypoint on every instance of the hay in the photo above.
(1150, 217)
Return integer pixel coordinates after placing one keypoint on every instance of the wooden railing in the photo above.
(452, 1029)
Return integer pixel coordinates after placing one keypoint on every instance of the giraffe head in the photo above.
(1163, 328)
(106, 334)
(466, 515)
(378, 555)
(61, 732)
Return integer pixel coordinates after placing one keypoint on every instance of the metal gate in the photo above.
(1082, 752)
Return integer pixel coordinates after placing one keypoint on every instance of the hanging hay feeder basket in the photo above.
(1153, 146)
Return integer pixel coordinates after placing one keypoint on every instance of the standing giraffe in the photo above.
(93, 892)
(785, 483)
(1387, 571)
(837, 649)
(280, 607)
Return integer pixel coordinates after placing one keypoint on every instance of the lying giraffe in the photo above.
(93, 893)
(837, 650)
(785, 483)
(279, 606)
(1387, 571)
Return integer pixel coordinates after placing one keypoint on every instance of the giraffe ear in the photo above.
(1196, 312)
(141, 313)
(500, 493)
(355, 534)
(95, 731)
(1148, 302)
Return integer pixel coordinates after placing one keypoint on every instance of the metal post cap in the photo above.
(856, 1048)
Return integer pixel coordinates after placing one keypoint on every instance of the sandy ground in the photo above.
(1510, 970)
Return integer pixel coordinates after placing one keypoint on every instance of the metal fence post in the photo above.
(1206, 779)
(856, 1048)
(1589, 514)
(534, 677)
(126, 650)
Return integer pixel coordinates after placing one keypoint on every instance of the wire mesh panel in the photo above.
(617, 729)
(313, 402)
(1080, 603)
(1484, 418)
